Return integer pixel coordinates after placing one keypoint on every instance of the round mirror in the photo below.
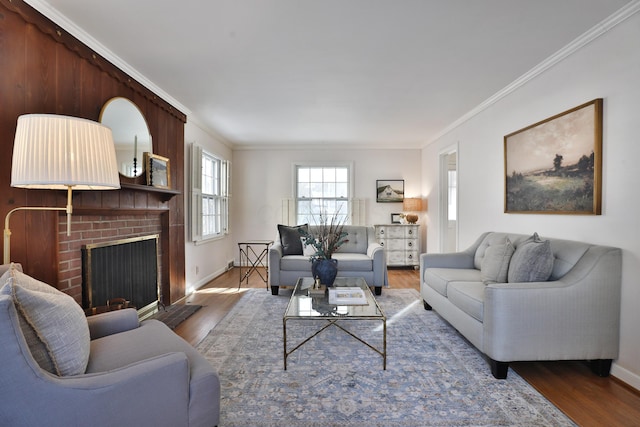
(130, 134)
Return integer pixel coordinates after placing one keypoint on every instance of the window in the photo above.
(452, 196)
(209, 195)
(322, 189)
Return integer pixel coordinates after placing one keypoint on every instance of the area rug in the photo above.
(175, 314)
(434, 376)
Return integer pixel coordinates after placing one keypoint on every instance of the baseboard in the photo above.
(626, 376)
(200, 283)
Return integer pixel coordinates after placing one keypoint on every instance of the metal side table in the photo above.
(253, 254)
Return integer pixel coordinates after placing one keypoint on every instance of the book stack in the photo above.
(347, 296)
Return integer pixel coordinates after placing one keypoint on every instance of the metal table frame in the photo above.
(251, 260)
(332, 321)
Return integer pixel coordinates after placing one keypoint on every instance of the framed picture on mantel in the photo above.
(158, 171)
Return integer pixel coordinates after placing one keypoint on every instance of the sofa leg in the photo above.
(601, 367)
(499, 369)
(426, 306)
(378, 290)
(274, 290)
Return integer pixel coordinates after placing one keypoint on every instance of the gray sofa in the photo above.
(361, 256)
(573, 315)
(136, 374)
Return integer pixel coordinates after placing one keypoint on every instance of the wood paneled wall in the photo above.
(43, 69)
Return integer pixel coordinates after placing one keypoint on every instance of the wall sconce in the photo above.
(412, 204)
(60, 153)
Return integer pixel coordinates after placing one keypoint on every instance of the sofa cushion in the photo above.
(495, 263)
(295, 263)
(439, 278)
(58, 322)
(468, 297)
(290, 238)
(353, 262)
(532, 261)
(357, 239)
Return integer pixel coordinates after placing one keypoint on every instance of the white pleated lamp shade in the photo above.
(57, 152)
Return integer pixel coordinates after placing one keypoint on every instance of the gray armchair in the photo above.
(137, 374)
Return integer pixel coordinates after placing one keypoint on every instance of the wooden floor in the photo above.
(586, 398)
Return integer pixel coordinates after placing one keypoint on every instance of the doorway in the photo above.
(449, 200)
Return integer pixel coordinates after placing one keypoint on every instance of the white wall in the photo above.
(205, 261)
(263, 178)
(609, 68)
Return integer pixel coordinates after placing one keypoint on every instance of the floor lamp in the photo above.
(60, 153)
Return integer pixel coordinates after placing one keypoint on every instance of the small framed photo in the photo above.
(396, 218)
(158, 172)
(389, 190)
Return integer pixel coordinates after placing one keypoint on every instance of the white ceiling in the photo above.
(363, 73)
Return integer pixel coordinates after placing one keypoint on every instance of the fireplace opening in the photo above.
(125, 268)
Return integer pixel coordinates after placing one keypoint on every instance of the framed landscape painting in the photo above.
(555, 166)
(389, 190)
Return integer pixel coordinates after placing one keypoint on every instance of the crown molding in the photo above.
(84, 37)
(598, 30)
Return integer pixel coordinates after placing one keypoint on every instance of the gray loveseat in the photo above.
(361, 256)
(573, 315)
(130, 373)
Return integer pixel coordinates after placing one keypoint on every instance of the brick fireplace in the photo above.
(92, 229)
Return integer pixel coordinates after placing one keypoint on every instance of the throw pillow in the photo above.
(36, 346)
(57, 320)
(532, 261)
(4, 268)
(495, 264)
(290, 239)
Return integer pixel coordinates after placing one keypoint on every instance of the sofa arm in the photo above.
(576, 317)
(112, 322)
(375, 251)
(275, 255)
(449, 260)
(572, 318)
(151, 392)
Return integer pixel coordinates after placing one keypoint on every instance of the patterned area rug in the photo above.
(176, 314)
(434, 377)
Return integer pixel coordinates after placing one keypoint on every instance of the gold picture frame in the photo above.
(555, 166)
(158, 170)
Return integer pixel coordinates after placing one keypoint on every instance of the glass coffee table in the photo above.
(304, 307)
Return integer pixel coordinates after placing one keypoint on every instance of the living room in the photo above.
(603, 64)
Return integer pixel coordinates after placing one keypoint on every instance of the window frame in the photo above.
(218, 195)
(347, 200)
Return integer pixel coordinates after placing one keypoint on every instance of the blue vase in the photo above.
(326, 270)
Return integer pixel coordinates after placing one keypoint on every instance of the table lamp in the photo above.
(412, 204)
(60, 153)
